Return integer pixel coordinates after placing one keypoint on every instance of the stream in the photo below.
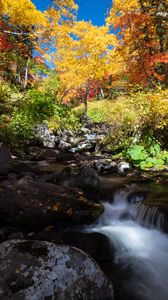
(141, 253)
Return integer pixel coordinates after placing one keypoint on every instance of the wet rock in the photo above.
(105, 166)
(9, 233)
(65, 157)
(153, 210)
(21, 167)
(29, 205)
(82, 147)
(5, 160)
(123, 167)
(86, 179)
(12, 177)
(136, 196)
(48, 154)
(64, 145)
(5, 155)
(95, 244)
(45, 136)
(33, 270)
(66, 139)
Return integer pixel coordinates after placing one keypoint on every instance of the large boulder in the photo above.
(34, 270)
(30, 204)
(86, 179)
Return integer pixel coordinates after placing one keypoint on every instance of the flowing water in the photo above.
(144, 251)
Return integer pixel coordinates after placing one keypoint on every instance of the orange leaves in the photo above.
(160, 58)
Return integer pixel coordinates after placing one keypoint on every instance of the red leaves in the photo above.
(5, 43)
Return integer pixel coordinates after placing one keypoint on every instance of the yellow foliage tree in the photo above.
(83, 54)
(31, 28)
(22, 12)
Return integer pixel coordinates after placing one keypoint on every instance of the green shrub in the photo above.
(96, 115)
(147, 156)
(38, 107)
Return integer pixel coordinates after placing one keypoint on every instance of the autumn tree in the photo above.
(20, 19)
(26, 29)
(82, 57)
(142, 29)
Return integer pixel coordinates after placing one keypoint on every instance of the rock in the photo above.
(122, 167)
(153, 210)
(95, 244)
(90, 136)
(34, 270)
(45, 136)
(105, 166)
(5, 160)
(29, 205)
(48, 154)
(84, 130)
(24, 168)
(86, 179)
(12, 177)
(8, 233)
(85, 120)
(64, 145)
(65, 157)
(5, 155)
(82, 147)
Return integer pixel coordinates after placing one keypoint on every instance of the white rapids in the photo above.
(142, 249)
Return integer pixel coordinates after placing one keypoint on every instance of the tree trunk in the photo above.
(26, 73)
(85, 105)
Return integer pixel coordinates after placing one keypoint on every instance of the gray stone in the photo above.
(105, 166)
(34, 270)
(45, 136)
(82, 147)
(122, 167)
(64, 145)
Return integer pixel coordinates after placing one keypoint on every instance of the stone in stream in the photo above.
(86, 179)
(29, 205)
(64, 145)
(105, 165)
(122, 167)
(34, 270)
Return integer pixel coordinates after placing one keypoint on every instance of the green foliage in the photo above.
(9, 97)
(64, 117)
(39, 107)
(96, 114)
(34, 109)
(50, 84)
(133, 117)
(147, 156)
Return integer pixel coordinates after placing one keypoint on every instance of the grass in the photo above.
(111, 111)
